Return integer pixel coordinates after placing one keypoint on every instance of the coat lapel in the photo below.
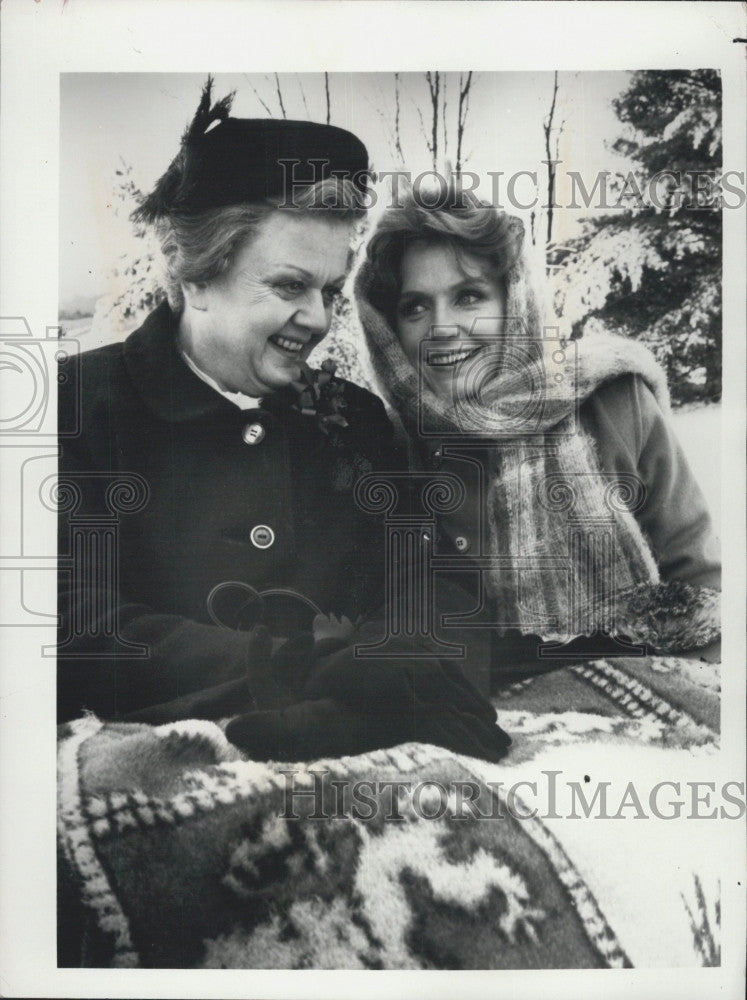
(170, 390)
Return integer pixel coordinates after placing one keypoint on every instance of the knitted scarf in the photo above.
(569, 531)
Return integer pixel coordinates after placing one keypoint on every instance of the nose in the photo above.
(312, 314)
(446, 321)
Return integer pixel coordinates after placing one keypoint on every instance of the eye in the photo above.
(411, 309)
(291, 287)
(469, 297)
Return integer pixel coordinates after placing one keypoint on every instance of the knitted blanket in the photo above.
(176, 853)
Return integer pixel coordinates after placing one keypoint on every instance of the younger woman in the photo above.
(580, 517)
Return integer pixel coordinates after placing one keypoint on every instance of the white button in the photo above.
(461, 543)
(253, 433)
(262, 537)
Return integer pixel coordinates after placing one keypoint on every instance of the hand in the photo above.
(275, 678)
(311, 730)
(389, 684)
(355, 705)
(332, 627)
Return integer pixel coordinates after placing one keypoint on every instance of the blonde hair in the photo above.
(198, 248)
(465, 224)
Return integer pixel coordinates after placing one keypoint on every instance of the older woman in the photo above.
(580, 515)
(233, 464)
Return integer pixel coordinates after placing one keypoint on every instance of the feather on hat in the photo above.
(228, 161)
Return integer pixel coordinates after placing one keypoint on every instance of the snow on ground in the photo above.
(77, 329)
(699, 431)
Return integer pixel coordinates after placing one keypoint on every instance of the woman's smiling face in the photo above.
(254, 324)
(447, 295)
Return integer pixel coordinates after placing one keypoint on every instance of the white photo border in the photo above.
(42, 40)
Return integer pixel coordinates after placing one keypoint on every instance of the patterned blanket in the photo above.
(176, 853)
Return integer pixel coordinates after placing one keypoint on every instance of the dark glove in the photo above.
(273, 680)
(391, 684)
(355, 705)
(310, 730)
(279, 678)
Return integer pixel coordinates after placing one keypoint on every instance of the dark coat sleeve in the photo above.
(632, 434)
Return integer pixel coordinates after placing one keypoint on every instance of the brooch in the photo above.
(322, 395)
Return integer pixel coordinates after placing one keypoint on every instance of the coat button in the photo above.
(262, 537)
(461, 543)
(253, 433)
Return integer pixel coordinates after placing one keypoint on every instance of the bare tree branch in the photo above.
(434, 86)
(386, 122)
(443, 110)
(256, 94)
(280, 96)
(465, 86)
(423, 129)
(303, 96)
(397, 133)
(552, 165)
(558, 134)
(326, 91)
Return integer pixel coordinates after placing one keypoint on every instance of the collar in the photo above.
(239, 399)
(169, 388)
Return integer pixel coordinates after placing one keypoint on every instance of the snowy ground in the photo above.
(699, 431)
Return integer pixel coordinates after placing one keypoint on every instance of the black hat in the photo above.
(250, 159)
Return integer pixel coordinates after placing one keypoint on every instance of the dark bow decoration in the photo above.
(322, 395)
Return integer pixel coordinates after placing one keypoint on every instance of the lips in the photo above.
(286, 344)
(451, 357)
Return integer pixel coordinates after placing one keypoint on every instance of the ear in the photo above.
(195, 294)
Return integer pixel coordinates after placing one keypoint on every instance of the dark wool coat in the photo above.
(202, 530)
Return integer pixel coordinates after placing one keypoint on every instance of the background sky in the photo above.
(108, 120)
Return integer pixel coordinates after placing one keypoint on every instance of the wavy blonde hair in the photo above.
(198, 248)
(465, 224)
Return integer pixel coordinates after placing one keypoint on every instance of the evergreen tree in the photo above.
(651, 269)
